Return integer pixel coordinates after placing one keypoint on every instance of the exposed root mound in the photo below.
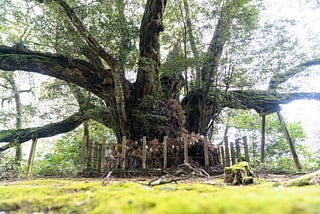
(239, 174)
(183, 172)
(309, 179)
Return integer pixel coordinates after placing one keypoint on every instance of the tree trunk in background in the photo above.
(289, 140)
(16, 96)
(89, 144)
(18, 156)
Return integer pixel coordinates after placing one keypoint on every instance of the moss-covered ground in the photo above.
(132, 196)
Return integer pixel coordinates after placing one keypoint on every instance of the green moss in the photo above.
(88, 196)
(309, 179)
(238, 174)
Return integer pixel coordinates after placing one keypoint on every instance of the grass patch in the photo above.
(88, 196)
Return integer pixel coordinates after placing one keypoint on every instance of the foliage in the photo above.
(16, 87)
(64, 159)
(278, 154)
(10, 169)
(123, 196)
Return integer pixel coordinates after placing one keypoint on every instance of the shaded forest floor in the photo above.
(210, 195)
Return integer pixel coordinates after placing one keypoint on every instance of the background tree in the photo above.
(12, 105)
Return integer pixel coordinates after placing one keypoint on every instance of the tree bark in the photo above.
(149, 62)
(209, 72)
(263, 102)
(120, 104)
(79, 72)
(22, 135)
(16, 95)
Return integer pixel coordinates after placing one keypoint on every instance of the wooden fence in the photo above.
(230, 153)
(97, 156)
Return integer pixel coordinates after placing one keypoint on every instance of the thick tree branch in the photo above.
(18, 136)
(279, 78)
(79, 72)
(149, 62)
(90, 40)
(220, 36)
(264, 102)
(110, 60)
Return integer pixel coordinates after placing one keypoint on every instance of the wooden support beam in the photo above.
(103, 154)
(246, 148)
(96, 155)
(123, 153)
(144, 152)
(226, 148)
(263, 138)
(233, 154)
(206, 153)
(165, 152)
(83, 153)
(238, 150)
(289, 140)
(31, 156)
(185, 149)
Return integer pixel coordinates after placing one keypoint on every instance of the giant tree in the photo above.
(94, 50)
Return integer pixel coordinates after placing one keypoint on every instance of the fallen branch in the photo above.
(103, 182)
(164, 180)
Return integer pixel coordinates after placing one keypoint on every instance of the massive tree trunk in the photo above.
(149, 62)
(140, 108)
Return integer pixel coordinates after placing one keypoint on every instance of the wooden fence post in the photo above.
(83, 153)
(165, 152)
(233, 154)
(123, 154)
(206, 154)
(144, 152)
(31, 156)
(238, 150)
(227, 154)
(185, 149)
(103, 154)
(246, 148)
(97, 156)
(89, 153)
